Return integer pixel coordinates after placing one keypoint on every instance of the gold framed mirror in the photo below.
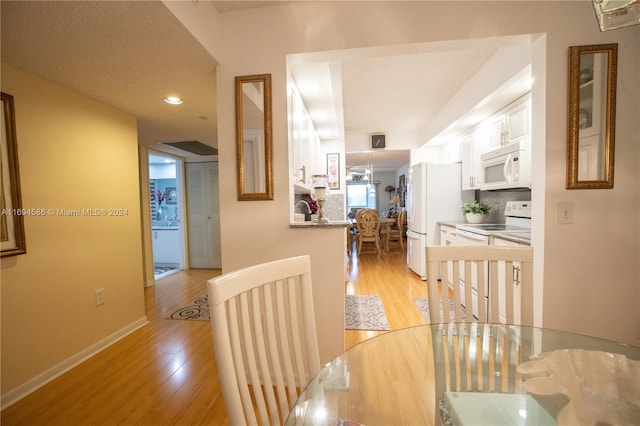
(591, 116)
(12, 237)
(254, 145)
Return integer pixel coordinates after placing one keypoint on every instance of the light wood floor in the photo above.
(165, 373)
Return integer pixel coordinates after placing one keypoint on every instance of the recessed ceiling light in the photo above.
(173, 100)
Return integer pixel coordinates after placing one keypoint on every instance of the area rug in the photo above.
(423, 306)
(364, 313)
(198, 310)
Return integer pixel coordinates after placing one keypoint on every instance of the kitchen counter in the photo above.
(309, 224)
(516, 237)
(451, 223)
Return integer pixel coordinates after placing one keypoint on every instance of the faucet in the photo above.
(298, 210)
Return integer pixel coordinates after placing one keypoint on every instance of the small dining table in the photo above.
(475, 374)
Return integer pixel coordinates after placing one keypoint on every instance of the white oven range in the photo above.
(518, 223)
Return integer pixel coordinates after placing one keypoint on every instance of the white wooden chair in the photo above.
(510, 269)
(265, 340)
(476, 377)
(475, 362)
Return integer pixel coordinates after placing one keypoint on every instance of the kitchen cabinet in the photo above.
(305, 145)
(448, 238)
(471, 146)
(511, 125)
(447, 235)
(498, 241)
(166, 246)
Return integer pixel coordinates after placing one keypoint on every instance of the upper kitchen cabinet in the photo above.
(512, 124)
(305, 144)
(471, 146)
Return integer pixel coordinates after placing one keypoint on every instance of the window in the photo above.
(360, 196)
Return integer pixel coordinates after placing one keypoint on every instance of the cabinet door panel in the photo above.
(496, 132)
(502, 282)
(518, 122)
(468, 163)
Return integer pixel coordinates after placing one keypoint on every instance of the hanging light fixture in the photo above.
(372, 190)
(612, 14)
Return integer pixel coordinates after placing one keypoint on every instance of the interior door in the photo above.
(203, 210)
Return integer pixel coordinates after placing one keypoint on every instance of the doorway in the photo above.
(203, 207)
(167, 228)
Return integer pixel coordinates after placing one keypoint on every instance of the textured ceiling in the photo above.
(126, 54)
(131, 54)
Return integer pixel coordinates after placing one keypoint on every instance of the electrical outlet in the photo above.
(100, 296)
(565, 212)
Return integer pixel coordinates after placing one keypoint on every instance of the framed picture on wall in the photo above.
(333, 170)
(172, 195)
(12, 236)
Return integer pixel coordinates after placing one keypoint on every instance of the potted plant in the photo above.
(475, 211)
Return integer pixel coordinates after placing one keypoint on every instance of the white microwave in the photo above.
(506, 167)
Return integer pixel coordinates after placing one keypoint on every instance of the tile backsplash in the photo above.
(497, 200)
(334, 208)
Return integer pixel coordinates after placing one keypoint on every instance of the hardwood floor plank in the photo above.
(165, 373)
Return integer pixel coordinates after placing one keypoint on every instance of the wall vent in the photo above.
(194, 147)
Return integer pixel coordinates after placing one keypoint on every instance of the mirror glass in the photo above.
(253, 137)
(591, 119)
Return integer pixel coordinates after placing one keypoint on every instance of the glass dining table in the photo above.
(475, 374)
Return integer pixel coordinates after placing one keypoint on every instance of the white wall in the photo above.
(589, 269)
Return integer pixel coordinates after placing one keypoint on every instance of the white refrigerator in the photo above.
(434, 194)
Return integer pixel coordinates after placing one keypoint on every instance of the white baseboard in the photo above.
(31, 385)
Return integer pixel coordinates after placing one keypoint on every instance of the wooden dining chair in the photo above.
(507, 270)
(397, 233)
(264, 334)
(368, 226)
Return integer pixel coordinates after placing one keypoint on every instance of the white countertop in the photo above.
(518, 237)
(310, 224)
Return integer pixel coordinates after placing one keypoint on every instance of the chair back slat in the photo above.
(272, 343)
(248, 353)
(482, 266)
(264, 334)
(260, 350)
